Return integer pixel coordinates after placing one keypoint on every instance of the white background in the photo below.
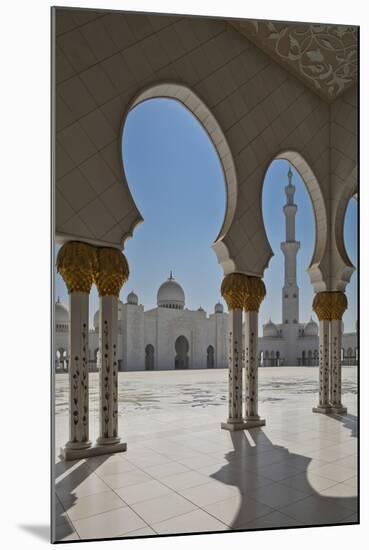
(25, 269)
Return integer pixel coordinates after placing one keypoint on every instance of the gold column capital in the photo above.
(233, 289)
(76, 262)
(330, 306)
(243, 291)
(255, 293)
(112, 271)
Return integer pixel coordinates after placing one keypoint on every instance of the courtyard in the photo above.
(182, 473)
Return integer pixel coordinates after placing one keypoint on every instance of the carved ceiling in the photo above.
(324, 57)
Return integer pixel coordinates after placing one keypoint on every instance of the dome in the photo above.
(269, 329)
(218, 308)
(132, 298)
(61, 313)
(201, 309)
(171, 294)
(311, 328)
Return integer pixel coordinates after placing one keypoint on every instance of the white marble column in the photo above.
(112, 272)
(329, 307)
(76, 263)
(108, 376)
(324, 361)
(78, 372)
(235, 367)
(336, 373)
(233, 291)
(255, 295)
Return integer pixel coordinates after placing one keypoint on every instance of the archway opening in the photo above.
(210, 357)
(350, 325)
(149, 357)
(291, 227)
(177, 181)
(181, 360)
(350, 236)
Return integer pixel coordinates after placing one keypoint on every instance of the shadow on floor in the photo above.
(253, 457)
(245, 468)
(349, 421)
(71, 474)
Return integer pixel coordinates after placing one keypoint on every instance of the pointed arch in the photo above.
(194, 104)
(343, 266)
(317, 269)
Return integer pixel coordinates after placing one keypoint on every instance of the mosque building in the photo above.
(166, 337)
(171, 336)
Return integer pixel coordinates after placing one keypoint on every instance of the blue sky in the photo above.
(176, 181)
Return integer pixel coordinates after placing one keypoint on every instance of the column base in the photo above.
(78, 445)
(67, 453)
(107, 441)
(254, 422)
(339, 410)
(245, 424)
(323, 410)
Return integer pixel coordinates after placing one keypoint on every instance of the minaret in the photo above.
(290, 247)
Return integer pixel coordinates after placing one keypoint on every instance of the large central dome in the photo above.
(171, 294)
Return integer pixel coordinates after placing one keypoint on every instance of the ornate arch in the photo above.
(310, 180)
(349, 191)
(192, 102)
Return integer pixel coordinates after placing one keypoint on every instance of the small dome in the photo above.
(201, 309)
(218, 308)
(132, 298)
(311, 328)
(171, 294)
(269, 329)
(61, 313)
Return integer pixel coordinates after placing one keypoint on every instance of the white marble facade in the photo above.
(166, 337)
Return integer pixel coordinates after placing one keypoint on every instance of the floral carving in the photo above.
(323, 56)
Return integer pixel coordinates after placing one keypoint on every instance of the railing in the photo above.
(308, 361)
(271, 362)
(349, 361)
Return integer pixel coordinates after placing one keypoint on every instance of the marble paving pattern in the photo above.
(182, 473)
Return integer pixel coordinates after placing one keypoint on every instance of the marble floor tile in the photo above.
(193, 522)
(276, 495)
(237, 511)
(315, 510)
(86, 506)
(162, 508)
(109, 524)
(143, 491)
(210, 492)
